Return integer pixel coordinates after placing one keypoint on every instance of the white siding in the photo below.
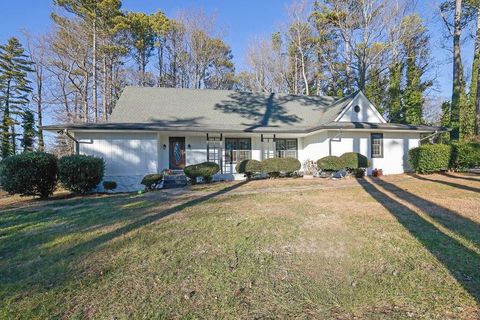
(128, 156)
(395, 148)
(367, 112)
(197, 153)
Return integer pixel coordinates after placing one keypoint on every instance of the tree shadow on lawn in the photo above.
(448, 183)
(31, 272)
(450, 219)
(462, 262)
(471, 177)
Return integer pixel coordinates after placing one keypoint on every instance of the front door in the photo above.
(177, 153)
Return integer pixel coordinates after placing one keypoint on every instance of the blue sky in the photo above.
(242, 20)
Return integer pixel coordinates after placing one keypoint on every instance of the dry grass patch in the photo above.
(391, 248)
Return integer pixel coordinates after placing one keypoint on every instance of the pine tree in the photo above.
(28, 131)
(374, 89)
(394, 104)
(417, 54)
(14, 91)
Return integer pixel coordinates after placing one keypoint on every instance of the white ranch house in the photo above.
(152, 129)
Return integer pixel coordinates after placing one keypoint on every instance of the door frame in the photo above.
(170, 153)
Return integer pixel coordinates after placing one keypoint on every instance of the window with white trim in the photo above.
(376, 145)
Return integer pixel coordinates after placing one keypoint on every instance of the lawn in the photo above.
(391, 248)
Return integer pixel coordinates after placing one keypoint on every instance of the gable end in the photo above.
(360, 109)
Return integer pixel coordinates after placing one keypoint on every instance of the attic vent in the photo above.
(356, 108)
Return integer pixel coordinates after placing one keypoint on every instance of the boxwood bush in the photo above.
(249, 167)
(354, 160)
(275, 166)
(465, 155)
(290, 165)
(151, 181)
(204, 169)
(80, 173)
(430, 158)
(330, 163)
(29, 174)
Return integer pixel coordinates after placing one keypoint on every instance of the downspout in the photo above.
(332, 139)
(77, 143)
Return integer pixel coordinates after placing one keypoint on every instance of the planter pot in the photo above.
(307, 176)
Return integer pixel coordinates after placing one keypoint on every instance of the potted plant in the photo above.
(310, 169)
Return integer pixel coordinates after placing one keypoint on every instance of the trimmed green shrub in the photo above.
(465, 155)
(249, 167)
(330, 163)
(275, 166)
(151, 181)
(272, 166)
(430, 158)
(29, 174)
(80, 173)
(204, 169)
(109, 185)
(354, 160)
(289, 165)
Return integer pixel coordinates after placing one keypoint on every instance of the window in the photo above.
(356, 108)
(237, 149)
(377, 145)
(214, 150)
(286, 148)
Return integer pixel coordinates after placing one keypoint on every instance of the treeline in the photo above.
(76, 72)
(382, 47)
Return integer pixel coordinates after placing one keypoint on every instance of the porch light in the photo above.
(164, 146)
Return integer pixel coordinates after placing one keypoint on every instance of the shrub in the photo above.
(29, 174)
(151, 181)
(249, 167)
(289, 165)
(80, 173)
(275, 166)
(465, 155)
(330, 163)
(204, 169)
(430, 158)
(354, 160)
(109, 185)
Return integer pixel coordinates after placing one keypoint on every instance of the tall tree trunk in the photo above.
(477, 95)
(14, 139)
(160, 65)
(457, 79)
(105, 87)
(6, 147)
(94, 69)
(41, 143)
(348, 71)
(85, 96)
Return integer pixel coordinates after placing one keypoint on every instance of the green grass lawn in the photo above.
(391, 248)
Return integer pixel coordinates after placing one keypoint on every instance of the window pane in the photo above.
(291, 144)
(377, 145)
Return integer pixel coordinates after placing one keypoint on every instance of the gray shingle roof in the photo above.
(171, 109)
(223, 109)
